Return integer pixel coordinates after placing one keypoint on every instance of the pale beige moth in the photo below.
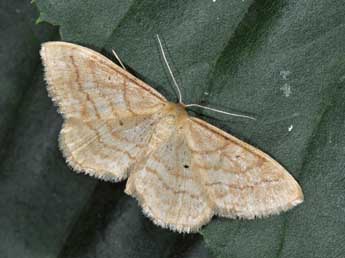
(182, 170)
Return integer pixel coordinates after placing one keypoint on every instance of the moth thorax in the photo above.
(177, 110)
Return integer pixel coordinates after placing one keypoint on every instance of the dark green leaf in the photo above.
(282, 61)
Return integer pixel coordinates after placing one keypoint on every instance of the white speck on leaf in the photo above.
(284, 74)
(206, 93)
(290, 128)
(286, 89)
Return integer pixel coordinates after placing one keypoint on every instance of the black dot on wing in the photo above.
(185, 166)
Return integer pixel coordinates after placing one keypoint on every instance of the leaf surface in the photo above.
(281, 61)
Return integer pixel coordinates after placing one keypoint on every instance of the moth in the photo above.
(181, 169)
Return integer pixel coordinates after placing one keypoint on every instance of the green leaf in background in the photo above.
(283, 61)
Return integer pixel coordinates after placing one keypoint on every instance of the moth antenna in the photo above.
(170, 71)
(179, 91)
(118, 59)
(220, 111)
